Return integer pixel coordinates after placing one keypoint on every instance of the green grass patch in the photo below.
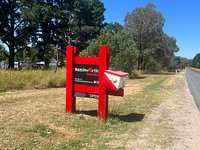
(157, 84)
(69, 145)
(41, 130)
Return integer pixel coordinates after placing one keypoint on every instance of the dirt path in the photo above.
(173, 125)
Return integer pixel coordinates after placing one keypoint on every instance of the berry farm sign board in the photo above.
(87, 77)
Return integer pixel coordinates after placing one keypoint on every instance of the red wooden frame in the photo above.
(103, 62)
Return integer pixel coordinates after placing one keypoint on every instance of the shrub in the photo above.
(135, 74)
(152, 66)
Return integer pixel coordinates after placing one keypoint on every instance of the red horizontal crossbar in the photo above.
(86, 89)
(87, 60)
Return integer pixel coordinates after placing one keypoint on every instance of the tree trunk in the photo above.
(11, 53)
(12, 42)
(139, 60)
(11, 57)
(140, 57)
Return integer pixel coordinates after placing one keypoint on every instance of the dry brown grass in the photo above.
(36, 119)
(31, 79)
(196, 69)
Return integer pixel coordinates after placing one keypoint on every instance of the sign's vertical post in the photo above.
(103, 97)
(70, 60)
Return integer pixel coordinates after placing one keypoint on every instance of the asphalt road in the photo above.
(193, 79)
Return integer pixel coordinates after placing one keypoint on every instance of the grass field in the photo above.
(36, 118)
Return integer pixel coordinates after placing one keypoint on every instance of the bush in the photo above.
(152, 66)
(135, 74)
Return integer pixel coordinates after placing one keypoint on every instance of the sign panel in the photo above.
(79, 94)
(86, 74)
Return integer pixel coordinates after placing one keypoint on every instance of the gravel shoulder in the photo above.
(174, 124)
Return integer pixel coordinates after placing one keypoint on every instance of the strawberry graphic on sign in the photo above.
(114, 80)
(117, 78)
(90, 70)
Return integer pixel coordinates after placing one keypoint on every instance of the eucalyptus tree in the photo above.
(146, 25)
(165, 49)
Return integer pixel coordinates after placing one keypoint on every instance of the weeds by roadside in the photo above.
(30, 79)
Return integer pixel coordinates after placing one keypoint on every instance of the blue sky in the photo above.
(182, 20)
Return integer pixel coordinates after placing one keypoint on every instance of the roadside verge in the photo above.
(174, 124)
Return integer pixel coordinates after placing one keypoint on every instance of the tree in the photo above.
(28, 57)
(63, 22)
(196, 61)
(105, 38)
(47, 17)
(123, 51)
(3, 53)
(88, 17)
(165, 49)
(184, 62)
(146, 26)
(14, 31)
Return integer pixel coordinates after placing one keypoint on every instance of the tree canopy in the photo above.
(123, 51)
(196, 61)
(39, 30)
(146, 25)
(140, 44)
(43, 24)
(14, 31)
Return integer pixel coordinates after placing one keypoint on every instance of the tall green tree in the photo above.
(63, 22)
(88, 17)
(123, 51)
(196, 61)
(146, 26)
(164, 50)
(14, 31)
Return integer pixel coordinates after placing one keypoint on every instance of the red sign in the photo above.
(85, 77)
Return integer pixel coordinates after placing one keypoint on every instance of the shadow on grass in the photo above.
(92, 113)
(164, 73)
(132, 117)
(142, 77)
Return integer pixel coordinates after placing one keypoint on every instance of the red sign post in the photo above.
(85, 77)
